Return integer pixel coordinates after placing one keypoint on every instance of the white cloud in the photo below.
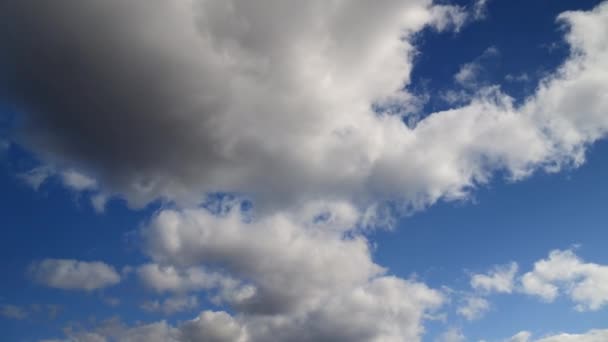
(590, 336)
(563, 272)
(522, 336)
(190, 279)
(274, 100)
(451, 335)
(469, 73)
(70, 274)
(501, 279)
(473, 307)
(309, 278)
(71, 179)
(78, 181)
(328, 68)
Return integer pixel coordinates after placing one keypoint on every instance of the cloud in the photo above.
(522, 336)
(172, 305)
(206, 126)
(501, 279)
(337, 322)
(480, 8)
(586, 284)
(473, 308)
(36, 177)
(169, 278)
(451, 335)
(282, 103)
(523, 77)
(310, 278)
(561, 273)
(469, 73)
(70, 274)
(71, 179)
(77, 181)
(590, 336)
(213, 327)
(13, 312)
(189, 102)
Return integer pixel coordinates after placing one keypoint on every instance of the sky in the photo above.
(347, 171)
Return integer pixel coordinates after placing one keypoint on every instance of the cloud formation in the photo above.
(310, 278)
(298, 106)
(280, 109)
(563, 272)
(474, 307)
(501, 279)
(68, 274)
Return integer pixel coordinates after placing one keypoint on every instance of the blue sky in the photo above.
(114, 145)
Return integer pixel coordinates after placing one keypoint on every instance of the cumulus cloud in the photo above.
(501, 279)
(310, 278)
(70, 274)
(189, 102)
(563, 272)
(356, 316)
(313, 84)
(297, 105)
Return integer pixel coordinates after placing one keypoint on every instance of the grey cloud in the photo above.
(160, 99)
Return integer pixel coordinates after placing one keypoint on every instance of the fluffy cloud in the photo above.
(299, 106)
(73, 274)
(585, 283)
(189, 102)
(310, 277)
(321, 86)
(501, 279)
(561, 273)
